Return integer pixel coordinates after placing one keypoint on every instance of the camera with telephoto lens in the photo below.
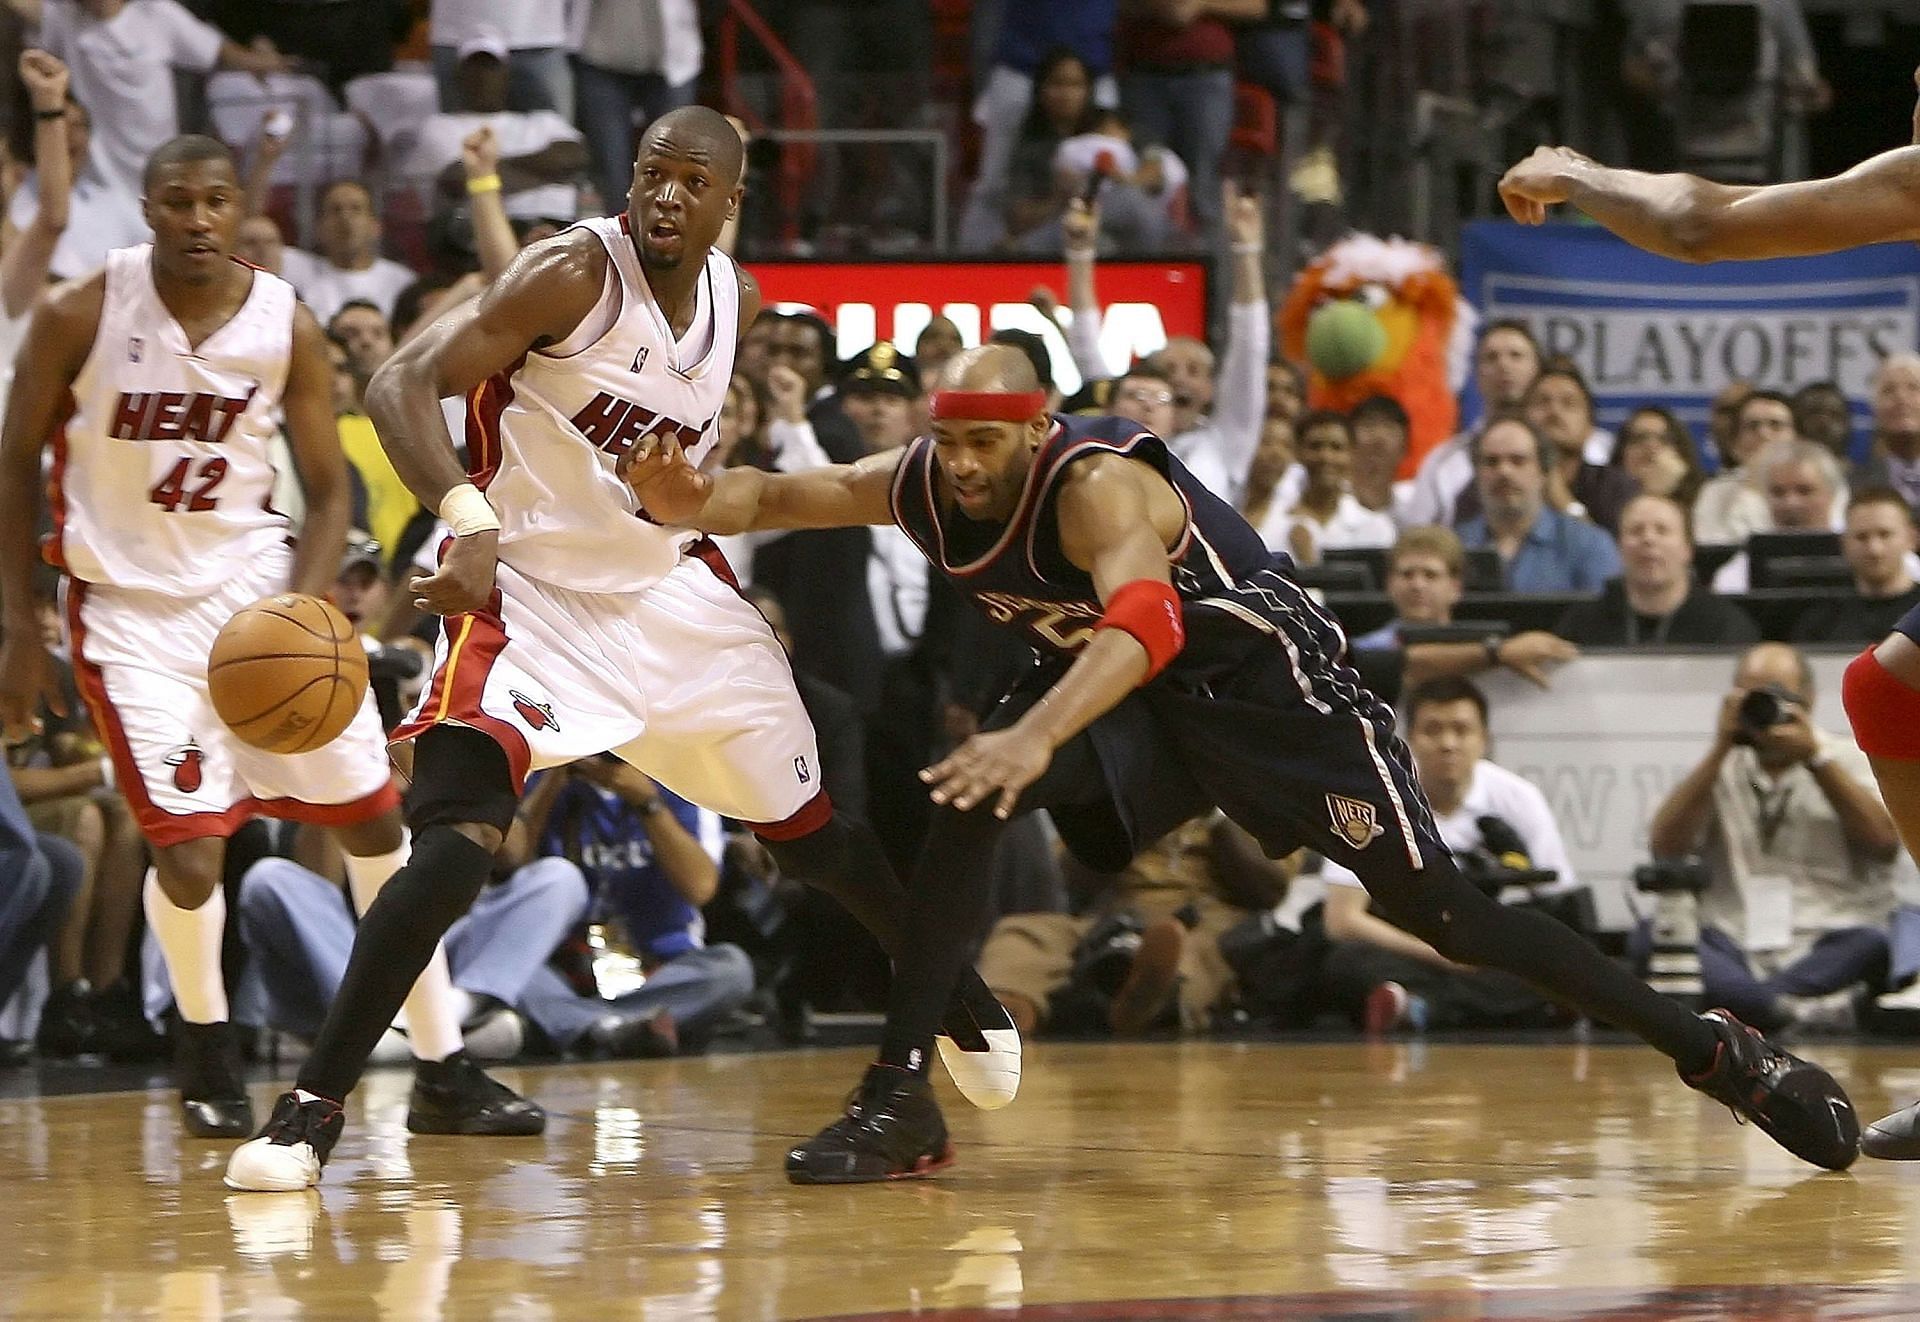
(1501, 860)
(1761, 710)
(1673, 964)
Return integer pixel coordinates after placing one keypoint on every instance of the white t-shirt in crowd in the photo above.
(101, 216)
(122, 72)
(518, 134)
(1352, 525)
(522, 24)
(327, 288)
(1495, 792)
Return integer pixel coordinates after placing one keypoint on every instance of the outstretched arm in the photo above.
(737, 500)
(1693, 220)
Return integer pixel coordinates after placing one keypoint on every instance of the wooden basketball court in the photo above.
(1204, 1180)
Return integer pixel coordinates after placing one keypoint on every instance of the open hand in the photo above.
(464, 581)
(670, 489)
(1006, 761)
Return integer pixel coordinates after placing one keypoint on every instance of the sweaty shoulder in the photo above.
(66, 317)
(750, 299)
(555, 282)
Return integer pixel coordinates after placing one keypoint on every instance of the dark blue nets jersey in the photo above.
(1016, 572)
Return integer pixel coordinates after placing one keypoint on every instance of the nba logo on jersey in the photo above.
(136, 348)
(639, 359)
(800, 770)
(1354, 821)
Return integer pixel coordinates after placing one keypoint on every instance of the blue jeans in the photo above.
(538, 78)
(1838, 960)
(33, 903)
(698, 988)
(299, 929)
(1191, 114)
(608, 102)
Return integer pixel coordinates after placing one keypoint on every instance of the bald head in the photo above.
(1778, 664)
(701, 134)
(997, 368)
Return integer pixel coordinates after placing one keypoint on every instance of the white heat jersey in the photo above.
(162, 473)
(544, 438)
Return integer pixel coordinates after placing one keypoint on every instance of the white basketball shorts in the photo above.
(684, 680)
(140, 660)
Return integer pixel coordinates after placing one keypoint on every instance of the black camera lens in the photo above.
(1762, 710)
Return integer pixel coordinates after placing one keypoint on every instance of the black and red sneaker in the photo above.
(892, 1130)
(1799, 1105)
(288, 1153)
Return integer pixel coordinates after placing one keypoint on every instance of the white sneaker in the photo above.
(497, 1035)
(1907, 998)
(288, 1154)
(989, 1077)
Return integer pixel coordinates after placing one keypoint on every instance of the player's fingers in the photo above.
(56, 700)
(1008, 798)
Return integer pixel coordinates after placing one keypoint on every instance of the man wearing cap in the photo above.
(541, 154)
(881, 391)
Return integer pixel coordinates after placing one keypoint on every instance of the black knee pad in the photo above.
(460, 775)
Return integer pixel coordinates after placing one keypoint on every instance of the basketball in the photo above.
(288, 673)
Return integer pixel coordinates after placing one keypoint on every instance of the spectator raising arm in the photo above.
(1240, 394)
(276, 131)
(28, 253)
(493, 237)
(1080, 229)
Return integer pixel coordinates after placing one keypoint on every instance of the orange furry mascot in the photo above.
(1419, 352)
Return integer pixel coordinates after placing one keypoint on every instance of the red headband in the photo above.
(987, 405)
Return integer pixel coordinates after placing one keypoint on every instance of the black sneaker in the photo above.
(1797, 1103)
(892, 1130)
(67, 1022)
(287, 1155)
(980, 1046)
(120, 1027)
(456, 1096)
(206, 1063)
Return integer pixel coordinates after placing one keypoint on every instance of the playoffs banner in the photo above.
(1143, 304)
(1646, 330)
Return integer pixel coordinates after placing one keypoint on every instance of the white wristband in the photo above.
(466, 511)
(106, 772)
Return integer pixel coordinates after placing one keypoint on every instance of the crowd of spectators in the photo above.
(627, 922)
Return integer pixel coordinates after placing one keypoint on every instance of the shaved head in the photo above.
(990, 367)
(699, 131)
(185, 150)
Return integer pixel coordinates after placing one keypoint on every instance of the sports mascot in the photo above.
(1375, 316)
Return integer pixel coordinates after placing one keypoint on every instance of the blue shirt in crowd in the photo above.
(1559, 554)
(1085, 27)
(607, 837)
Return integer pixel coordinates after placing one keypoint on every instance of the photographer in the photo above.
(1798, 853)
(1500, 828)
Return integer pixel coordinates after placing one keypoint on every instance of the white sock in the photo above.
(190, 940)
(433, 1023)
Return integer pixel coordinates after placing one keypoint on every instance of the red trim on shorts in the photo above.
(1883, 709)
(163, 828)
(813, 815)
(485, 404)
(460, 684)
(363, 809)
